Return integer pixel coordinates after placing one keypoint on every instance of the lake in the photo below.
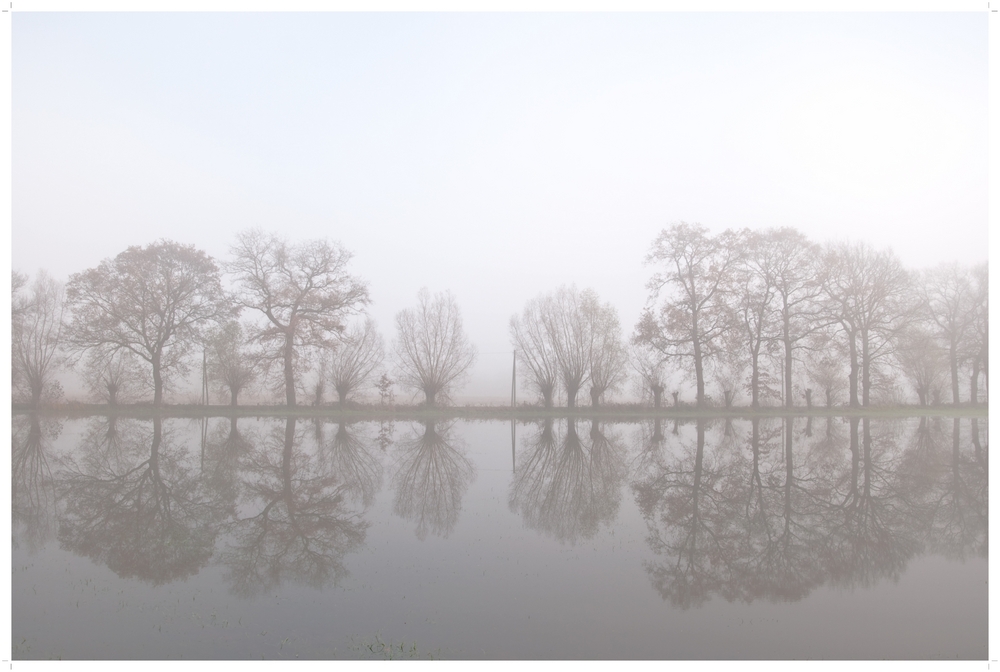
(275, 538)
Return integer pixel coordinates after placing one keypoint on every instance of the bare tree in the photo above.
(115, 376)
(566, 325)
(233, 364)
(979, 343)
(687, 313)
(867, 295)
(947, 293)
(303, 290)
(152, 301)
(753, 313)
(728, 370)
(650, 364)
(828, 374)
(535, 350)
(793, 270)
(922, 361)
(384, 387)
(432, 351)
(354, 362)
(608, 356)
(36, 335)
(18, 281)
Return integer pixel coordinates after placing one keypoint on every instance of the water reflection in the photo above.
(33, 497)
(143, 513)
(783, 509)
(431, 477)
(745, 510)
(348, 453)
(957, 506)
(567, 485)
(225, 449)
(295, 522)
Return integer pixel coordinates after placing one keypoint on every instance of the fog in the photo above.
(496, 156)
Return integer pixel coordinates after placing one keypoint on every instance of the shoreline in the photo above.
(625, 413)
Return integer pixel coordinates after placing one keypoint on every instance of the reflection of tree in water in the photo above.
(779, 514)
(111, 441)
(958, 506)
(775, 558)
(651, 440)
(872, 532)
(33, 497)
(347, 454)
(145, 518)
(221, 459)
(688, 507)
(567, 485)
(301, 528)
(431, 478)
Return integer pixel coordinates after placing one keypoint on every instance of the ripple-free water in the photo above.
(283, 539)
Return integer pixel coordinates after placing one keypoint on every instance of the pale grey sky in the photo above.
(496, 155)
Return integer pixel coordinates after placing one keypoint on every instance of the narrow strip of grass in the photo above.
(527, 413)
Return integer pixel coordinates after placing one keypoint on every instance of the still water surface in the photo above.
(273, 538)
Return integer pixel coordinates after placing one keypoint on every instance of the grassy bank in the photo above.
(525, 412)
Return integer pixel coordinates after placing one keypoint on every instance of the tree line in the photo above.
(763, 315)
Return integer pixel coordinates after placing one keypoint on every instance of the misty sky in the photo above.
(496, 155)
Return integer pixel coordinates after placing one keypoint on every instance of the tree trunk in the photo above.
(788, 374)
(953, 360)
(787, 341)
(657, 396)
(974, 382)
(699, 374)
(289, 373)
(866, 382)
(157, 381)
(430, 397)
(595, 396)
(755, 376)
(232, 396)
(853, 375)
